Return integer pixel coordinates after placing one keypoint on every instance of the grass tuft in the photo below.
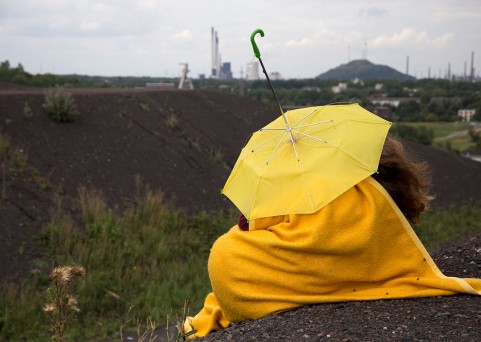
(442, 225)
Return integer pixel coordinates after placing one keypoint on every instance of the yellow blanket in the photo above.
(359, 247)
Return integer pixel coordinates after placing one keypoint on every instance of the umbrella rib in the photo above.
(272, 129)
(266, 142)
(314, 124)
(301, 171)
(339, 148)
(295, 149)
(275, 149)
(310, 136)
(308, 115)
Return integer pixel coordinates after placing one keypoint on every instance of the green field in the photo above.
(452, 134)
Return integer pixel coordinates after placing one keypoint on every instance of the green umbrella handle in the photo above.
(253, 42)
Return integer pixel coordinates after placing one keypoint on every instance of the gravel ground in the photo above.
(451, 318)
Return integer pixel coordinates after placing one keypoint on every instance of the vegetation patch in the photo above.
(60, 105)
(144, 106)
(13, 161)
(172, 122)
(27, 111)
(143, 261)
(442, 225)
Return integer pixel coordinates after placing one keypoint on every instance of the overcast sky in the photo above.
(303, 38)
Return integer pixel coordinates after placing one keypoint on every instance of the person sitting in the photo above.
(360, 246)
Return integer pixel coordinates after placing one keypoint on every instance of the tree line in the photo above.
(427, 99)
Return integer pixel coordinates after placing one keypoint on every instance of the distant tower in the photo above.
(471, 74)
(215, 54)
(252, 72)
(185, 81)
(407, 65)
(449, 71)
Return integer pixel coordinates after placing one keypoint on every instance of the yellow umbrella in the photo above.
(305, 159)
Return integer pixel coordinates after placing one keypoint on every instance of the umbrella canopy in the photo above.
(305, 159)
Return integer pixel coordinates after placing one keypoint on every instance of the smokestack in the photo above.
(215, 54)
(471, 77)
(407, 65)
(429, 72)
(449, 71)
(212, 53)
(217, 58)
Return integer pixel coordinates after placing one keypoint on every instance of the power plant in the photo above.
(222, 70)
(219, 70)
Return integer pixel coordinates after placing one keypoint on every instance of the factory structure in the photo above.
(221, 71)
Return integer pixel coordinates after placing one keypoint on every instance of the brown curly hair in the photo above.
(406, 180)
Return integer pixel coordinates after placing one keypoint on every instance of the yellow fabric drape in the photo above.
(358, 247)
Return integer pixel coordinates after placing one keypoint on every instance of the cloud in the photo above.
(89, 26)
(445, 16)
(323, 35)
(409, 36)
(371, 12)
(183, 35)
(375, 11)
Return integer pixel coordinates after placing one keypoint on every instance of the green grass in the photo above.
(442, 225)
(445, 134)
(148, 258)
(441, 129)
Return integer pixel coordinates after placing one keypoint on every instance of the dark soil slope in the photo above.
(183, 142)
(123, 134)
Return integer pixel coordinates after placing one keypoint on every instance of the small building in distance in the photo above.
(466, 114)
(339, 88)
(275, 76)
(391, 101)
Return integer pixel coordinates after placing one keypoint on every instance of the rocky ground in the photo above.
(453, 318)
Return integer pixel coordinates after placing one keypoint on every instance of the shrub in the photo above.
(27, 111)
(419, 134)
(60, 105)
(172, 122)
(144, 106)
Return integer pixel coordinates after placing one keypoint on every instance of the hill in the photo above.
(363, 70)
(183, 142)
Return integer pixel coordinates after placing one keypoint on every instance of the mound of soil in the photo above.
(182, 142)
(185, 142)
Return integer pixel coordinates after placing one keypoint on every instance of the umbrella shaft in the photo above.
(273, 91)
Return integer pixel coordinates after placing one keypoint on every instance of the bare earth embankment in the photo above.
(184, 142)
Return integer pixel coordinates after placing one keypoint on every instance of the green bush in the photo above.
(419, 134)
(60, 105)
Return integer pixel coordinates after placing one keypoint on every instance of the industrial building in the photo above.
(221, 71)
